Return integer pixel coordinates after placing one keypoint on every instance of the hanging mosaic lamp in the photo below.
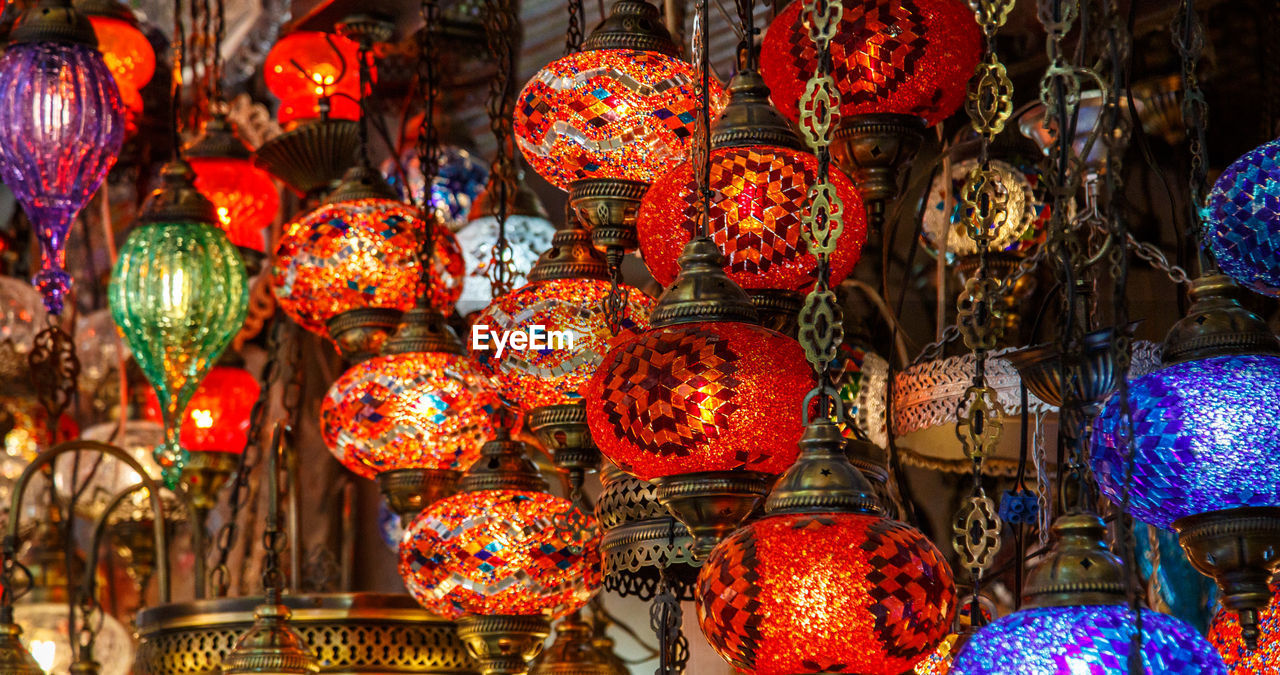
(459, 179)
(528, 233)
(243, 195)
(126, 51)
(604, 122)
(1075, 619)
(179, 293)
(492, 558)
(414, 417)
(565, 297)
(217, 418)
(691, 404)
(1242, 220)
(761, 173)
(640, 539)
(899, 65)
(1205, 435)
(61, 128)
(1241, 659)
(824, 583)
(314, 74)
(349, 268)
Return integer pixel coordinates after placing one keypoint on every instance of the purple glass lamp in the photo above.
(61, 126)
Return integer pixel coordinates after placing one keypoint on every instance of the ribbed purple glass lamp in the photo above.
(61, 127)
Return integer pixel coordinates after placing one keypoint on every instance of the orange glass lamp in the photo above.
(243, 194)
(1240, 658)
(691, 404)
(127, 52)
(565, 299)
(349, 269)
(492, 558)
(824, 583)
(604, 122)
(414, 417)
(761, 174)
(900, 66)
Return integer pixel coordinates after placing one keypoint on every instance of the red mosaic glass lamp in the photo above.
(604, 122)
(493, 558)
(900, 66)
(691, 404)
(243, 194)
(349, 269)
(566, 293)
(1240, 658)
(824, 583)
(126, 51)
(414, 417)
(761, 173)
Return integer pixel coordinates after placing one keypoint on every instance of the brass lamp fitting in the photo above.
(875, 150)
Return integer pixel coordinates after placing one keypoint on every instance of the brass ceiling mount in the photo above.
(875, 150)
(177, 200)
(632, 24)
(1079, 569)
(1237, 549)
(822, 480)
(503, 644)
(750, 119)
(311, 157)
(571, 256)
(712, 504)
(702, 291)
(562, 429)
(53, 21)
(1217, 325)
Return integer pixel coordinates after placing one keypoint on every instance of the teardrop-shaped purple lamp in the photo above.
(61, 128)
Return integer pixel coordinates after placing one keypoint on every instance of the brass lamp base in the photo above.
(712, 504)
(562, 429)
(503, 644)
(203, 477)
(133, 543)
(270, 646)
(1094, 379)
(14, 657)
(608, 207)
(360, 333)
(312, 157)
(1237, 548)
(875, 150)
(778, 309)
(409, 491)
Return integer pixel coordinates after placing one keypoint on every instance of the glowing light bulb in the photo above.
(44, 652)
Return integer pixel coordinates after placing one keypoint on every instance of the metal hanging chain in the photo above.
(428, 146)
(219, 20)
(666, 617)
(985, 210)
(501, 27)
(54, 369)
(1188, 37)
(573, 36)
(821, 319)
(364, 54)
(224, 541)
(747, 45)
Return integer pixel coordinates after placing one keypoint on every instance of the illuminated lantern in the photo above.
(459, 179)
(1241, 659)
(179, 293)
(493, 558)
(61, 128)
(604, 122)
(692, 404)
(823, 583)
(1075, 619)
(528, 234)
(126, 51)
(243, 195)
(761, 175)
(1242, 223)
(218, 415)
(348, 269)
(314, 74)
(414, 417)
(898, 65)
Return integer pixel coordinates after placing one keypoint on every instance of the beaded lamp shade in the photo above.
(1243, 220)
(1085, 639)
(359, 254)
(759, 195)
(825, 593)
(1025, 226)
(498, 552)
(609, 113)
(1205, 433)
(554, 375)
(413, 410)
(910, 57)
(1225, 635)
(699, 397)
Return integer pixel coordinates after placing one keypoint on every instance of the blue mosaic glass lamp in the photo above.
(1242, 219)
(1206, 432)
(1075, 619)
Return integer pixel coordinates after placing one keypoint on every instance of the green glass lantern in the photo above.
(179, 294)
